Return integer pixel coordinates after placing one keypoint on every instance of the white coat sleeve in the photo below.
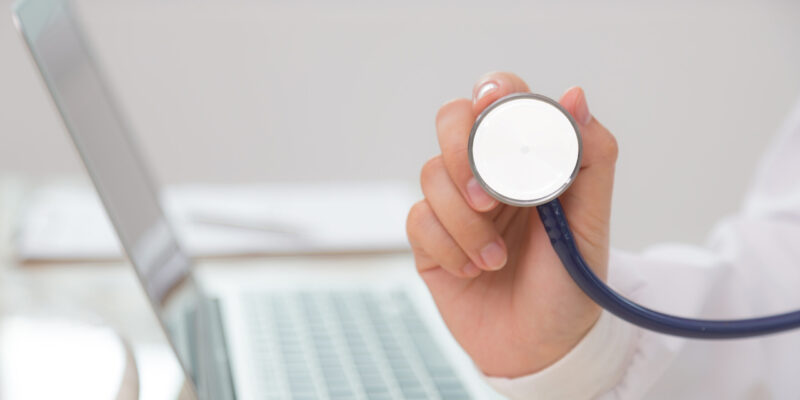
(749, 267)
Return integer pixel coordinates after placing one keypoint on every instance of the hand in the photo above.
(498, 284)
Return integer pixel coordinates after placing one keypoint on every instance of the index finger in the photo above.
(453, 125)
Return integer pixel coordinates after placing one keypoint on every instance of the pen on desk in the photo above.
(271, 227)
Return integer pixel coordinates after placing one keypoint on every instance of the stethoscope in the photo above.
(525, 150)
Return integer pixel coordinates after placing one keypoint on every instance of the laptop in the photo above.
(320, 335)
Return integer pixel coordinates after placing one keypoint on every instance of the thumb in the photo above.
(599, 145)
(588, 200)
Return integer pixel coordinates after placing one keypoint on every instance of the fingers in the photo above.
(474, 232)
(493, 86)
(453, 125)
(433, 246)
(589, 197)
(600, 146)
(504, 218)
(595, 180)
(459, 225)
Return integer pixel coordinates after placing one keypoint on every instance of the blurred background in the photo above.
(253, 91)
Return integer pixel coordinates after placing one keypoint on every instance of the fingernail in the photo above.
(582, 113)
(477, 196)
(494, 256)
(470, 270)
(483, 90)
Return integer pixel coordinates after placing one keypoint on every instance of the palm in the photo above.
(530, 304)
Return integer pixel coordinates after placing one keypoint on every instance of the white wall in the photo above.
(246, 90)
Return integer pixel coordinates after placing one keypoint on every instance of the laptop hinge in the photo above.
(214, 378)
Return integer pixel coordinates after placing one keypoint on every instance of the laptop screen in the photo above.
(102, 138)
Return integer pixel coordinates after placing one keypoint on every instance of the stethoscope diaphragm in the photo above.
(525, 149)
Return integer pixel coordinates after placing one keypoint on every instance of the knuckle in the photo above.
(451, 258)
(609, 147)
(430, 169)
(455, 259)
(417, 215)
(446, 109)
(420, 261)
(476, 231)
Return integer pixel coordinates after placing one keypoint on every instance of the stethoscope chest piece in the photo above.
(525, 149)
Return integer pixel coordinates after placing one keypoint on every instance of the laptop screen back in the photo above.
(101, 136)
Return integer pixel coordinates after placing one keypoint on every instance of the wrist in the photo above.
(592, 368)
(531, 352)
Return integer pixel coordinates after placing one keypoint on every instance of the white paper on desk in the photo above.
(67, 221)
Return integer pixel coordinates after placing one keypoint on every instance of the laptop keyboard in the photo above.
(346, 345)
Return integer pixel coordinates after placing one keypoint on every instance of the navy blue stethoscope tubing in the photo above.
(561, 237)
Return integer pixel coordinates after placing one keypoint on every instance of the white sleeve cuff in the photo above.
(593, 367)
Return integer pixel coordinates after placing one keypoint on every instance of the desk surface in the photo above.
(105, 292)
(109, 292)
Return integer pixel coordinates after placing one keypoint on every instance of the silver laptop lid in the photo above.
(122, 181)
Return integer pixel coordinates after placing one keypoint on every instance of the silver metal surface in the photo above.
(518, 202)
